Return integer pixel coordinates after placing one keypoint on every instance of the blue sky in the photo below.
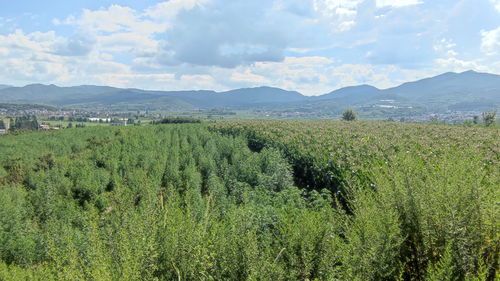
(312, 46)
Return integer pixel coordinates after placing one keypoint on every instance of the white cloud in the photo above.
(125, 80)
(341, 13)
(446, 47)
(345, 14)
(167, 11)
(456, 65)
(311, 46)
(397, 3)
(48, 58)
(308, 75)
(119, 29)
(30, 71)
(216, 34)
(490, 43)
(45, 42)
(159, 81)
(248, 77)
(126, 42)
(355, 74)
(496, 3)
(18, 41)
(295, 73)
(115, 18)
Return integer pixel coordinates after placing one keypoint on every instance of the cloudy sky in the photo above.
(312, 46)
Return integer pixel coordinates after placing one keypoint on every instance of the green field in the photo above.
(423, 198)
(260, 200)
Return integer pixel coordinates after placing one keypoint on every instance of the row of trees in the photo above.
(21, 123)
(27, 122)
(177, 120)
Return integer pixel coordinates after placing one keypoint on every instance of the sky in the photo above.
(310, 46)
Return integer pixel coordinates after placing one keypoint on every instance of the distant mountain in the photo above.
(89, 96)
(4, 86)
(100, 96)
(474, 84)
(50, 94)
(466, 91)
(260, 96)
(239, 98)
(352, 95)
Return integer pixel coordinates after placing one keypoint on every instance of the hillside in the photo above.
(467, 91)
(99, 96)
(352, 95)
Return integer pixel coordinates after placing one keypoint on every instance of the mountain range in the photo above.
(466, 91)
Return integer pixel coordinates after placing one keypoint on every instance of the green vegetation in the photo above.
(24, 106)
(349, 115)
(25, 123)
(164, 202)
(422, 199)
(65, 124)
(177, 120)
(489, 118)
(375, 201)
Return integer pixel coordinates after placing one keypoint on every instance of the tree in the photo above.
(27, 122)
(349, 115)
(489, 118)
(475, 119)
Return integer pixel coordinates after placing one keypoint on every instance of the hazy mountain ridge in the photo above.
(468, 90)
(352, 94)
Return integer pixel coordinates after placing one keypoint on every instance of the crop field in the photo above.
(257, 200)
(423, 197)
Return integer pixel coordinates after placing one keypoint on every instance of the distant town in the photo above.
(15, 118)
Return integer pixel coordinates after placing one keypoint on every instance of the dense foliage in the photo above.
(177, 120)
(349, 115)
(422, 199)
(489, 118)
(27, 122)
(182, 202)
(157, 202)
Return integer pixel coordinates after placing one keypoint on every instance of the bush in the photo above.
(349, 115)
(489, 118)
